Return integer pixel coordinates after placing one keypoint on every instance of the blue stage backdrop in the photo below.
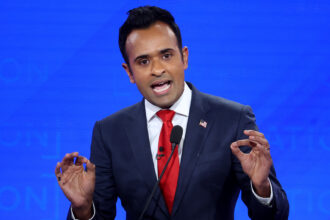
(60, 71)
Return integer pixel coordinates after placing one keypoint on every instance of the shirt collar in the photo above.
(181, 106)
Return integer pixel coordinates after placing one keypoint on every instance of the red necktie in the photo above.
(170, 178)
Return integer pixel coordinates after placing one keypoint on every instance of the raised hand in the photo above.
(256, 164)
(76, 183)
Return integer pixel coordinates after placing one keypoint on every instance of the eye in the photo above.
(143, 62)
(167, 56)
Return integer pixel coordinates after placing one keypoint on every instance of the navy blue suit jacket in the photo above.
(210, 175)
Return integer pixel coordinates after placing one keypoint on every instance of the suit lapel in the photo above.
(193, 143)
(137, 133)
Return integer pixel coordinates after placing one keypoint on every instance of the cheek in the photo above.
(142, 83)
(177, 69)
(138, 76)
(179, 74)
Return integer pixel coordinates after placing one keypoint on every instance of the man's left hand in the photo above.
(256, 164)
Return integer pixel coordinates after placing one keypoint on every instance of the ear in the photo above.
(129, 73)
(185, 54)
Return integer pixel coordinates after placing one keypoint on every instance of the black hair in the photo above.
(144, 17)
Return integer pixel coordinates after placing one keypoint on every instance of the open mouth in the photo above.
(161, 87)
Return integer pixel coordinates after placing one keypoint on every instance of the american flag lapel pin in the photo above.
(202, 123)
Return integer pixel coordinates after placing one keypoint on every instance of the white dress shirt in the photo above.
(154, 123)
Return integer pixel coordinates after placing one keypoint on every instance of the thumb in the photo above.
(90, 167)
(236, 151)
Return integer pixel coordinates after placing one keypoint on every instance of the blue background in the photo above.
(60, 71)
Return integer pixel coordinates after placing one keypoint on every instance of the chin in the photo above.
(164, 104)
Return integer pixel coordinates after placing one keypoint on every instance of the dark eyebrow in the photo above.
(166, 50)
(144, 56)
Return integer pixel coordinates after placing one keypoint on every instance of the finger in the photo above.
(68, 160)
(80, 160)
(90, 166)
(246, 142)
(259, 148)
(236, 151)
(58, 173)
(253, 133)
(256, 147)
(260, 140)
(262, 143)
(90, 170)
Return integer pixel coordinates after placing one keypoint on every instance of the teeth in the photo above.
(161, 87)
(160, 84)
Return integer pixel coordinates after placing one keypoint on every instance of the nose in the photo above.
(157, 68)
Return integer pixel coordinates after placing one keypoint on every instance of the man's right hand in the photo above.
(76, 183)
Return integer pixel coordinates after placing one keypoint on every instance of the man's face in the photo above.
(156, 64)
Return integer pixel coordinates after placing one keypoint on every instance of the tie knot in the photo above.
(166, 115)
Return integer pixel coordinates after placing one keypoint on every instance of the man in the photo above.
(129, 148)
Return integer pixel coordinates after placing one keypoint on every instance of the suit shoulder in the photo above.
(231, 113)
(222, 104)
(123, 114)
